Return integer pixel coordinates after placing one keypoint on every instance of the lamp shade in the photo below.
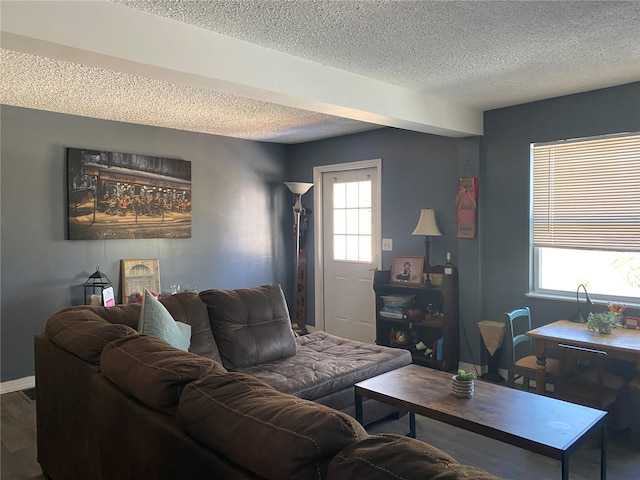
(299, 188)
(427, 223)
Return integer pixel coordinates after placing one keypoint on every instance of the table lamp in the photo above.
(578, 318)
(428, 227)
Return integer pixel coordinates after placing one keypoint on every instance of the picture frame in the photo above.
(116, 195)
(407, 270)
(138, 274)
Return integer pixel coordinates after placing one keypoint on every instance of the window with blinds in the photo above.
(585, 216)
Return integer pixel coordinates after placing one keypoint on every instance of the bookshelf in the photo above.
(412, 317)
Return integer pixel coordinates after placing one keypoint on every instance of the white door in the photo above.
(350, 238)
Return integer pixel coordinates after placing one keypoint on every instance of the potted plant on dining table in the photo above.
(604, 322)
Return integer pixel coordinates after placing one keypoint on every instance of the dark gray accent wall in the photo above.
(505, 187)
(418, 171)
(240, 230)
(421, 171)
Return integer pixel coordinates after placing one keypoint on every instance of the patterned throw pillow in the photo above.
(156, 321)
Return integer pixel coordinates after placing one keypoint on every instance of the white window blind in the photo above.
(586, 193)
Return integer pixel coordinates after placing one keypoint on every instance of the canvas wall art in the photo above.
(115, 195)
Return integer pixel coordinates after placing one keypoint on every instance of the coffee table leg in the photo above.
(412, 425)
(565, 466)
(603, 452)
(359, 409)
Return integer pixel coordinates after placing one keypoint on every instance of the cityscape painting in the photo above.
(115, 195)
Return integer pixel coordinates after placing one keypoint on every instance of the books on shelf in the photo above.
(393, 314)
(439, 344)
(436, 353)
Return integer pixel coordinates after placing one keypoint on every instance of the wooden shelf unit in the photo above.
(419, 326)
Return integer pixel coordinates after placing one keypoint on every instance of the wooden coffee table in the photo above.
(542, 425)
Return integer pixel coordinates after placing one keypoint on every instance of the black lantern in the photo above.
(93, 287)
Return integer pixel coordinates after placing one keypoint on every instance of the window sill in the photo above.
(629, 302)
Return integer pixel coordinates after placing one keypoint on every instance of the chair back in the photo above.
(574, 362)
(519, 321)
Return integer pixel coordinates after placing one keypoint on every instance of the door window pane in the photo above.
(364, 223)
(352, 221)
(339, 195)
(353, 195)
(352, 248)
(339, 247)
(339, 221)
(364, 251)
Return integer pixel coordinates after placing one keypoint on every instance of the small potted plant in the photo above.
(462, 384)
(603, 322)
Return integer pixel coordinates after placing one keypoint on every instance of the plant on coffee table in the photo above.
(465, 376)
(462, 384)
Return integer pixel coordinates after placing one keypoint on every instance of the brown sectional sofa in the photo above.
(113, 404)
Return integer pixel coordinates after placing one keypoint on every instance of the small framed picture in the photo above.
(407, 270)
(138, 275)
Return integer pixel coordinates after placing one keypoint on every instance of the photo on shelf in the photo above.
(407, 270)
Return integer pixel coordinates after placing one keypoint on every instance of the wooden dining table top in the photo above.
(621, 340)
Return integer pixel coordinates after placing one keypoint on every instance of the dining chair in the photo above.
(523, 362)
(584, 380)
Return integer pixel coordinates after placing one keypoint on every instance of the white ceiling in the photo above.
(295, 71)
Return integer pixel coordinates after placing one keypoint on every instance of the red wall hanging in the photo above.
(467, 207)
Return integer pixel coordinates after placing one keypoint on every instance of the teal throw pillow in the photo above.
(156, 321)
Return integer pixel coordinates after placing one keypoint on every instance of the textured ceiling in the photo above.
(449, 59)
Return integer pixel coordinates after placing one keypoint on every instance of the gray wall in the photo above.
(240, 228)
(421, 171)
(504, 192)
(418, 171)
(242, 218)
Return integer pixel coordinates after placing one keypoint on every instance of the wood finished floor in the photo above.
(18, 461)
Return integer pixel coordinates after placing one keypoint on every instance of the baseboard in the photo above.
(481, 369)
(17, 385)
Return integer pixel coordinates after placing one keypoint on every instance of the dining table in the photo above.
(621, 344)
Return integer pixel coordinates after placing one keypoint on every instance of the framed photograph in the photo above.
(113, 195)
(407, 270)
(138, 275)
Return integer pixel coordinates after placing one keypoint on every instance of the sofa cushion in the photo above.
(84, 333)
(270, 433)
(152, 371)
(156, 321)
(121, 314)
(394, 457)
(186, 307)
(326, 364)
(250, 325)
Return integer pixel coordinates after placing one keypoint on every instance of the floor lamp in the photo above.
(427, 226)
(298, 189)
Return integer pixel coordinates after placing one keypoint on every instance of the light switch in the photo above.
(387, 245)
